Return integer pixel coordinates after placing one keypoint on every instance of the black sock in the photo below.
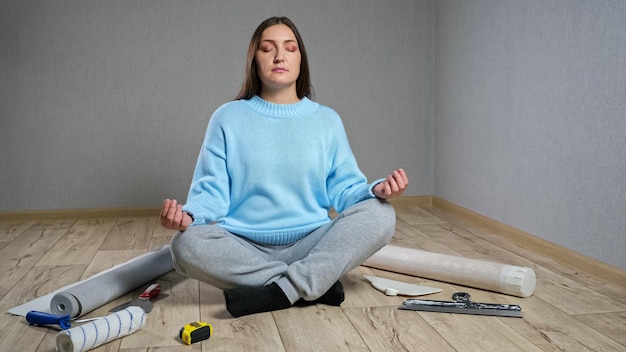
(333, 297)
(244, 300)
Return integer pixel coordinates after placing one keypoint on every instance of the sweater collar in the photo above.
(303, 107)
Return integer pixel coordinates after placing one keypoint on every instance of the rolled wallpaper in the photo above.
(503, 278)
(99, 290)
(84, 296)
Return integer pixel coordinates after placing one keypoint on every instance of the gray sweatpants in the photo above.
(305, 269)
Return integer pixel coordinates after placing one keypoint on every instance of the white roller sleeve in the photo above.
(503, 278)
(98, 332)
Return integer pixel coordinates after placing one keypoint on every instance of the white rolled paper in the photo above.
(508, 279)
(98, 290)
(100, 331)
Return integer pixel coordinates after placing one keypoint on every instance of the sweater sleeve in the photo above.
(346, 184)
(208, 199)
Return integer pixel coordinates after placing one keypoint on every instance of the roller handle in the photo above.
(42, 318)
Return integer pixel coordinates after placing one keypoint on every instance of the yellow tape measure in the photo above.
(195, 332)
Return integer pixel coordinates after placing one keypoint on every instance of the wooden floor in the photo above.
(573, 308)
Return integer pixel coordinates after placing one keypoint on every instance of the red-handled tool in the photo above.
(143, 300)
(151, 291)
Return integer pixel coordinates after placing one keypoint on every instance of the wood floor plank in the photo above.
(14, 328)
(161, 236)
(389, 329)
(417, 216)
(179, 306)
(360, 293)
(561, 330)
(256, 332)
(158, 242)
(573, 297)
(79, 244)
(160, 231)
(10, 230)
(572, 308)
(570, 296)
(21, 254)
(130, 233)
(192, 348)
(575, 266)
(466, 244)
(317, 328)
(610, 324)
(477, 333)
(613, 289)
(48, 343)
(37, 282)
(410, 236)
(104, 260)
(533, 309)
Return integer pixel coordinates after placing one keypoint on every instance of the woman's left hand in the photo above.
(393, 186)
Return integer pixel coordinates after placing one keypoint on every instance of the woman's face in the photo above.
(278, 58)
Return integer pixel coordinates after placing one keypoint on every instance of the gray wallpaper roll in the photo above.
(98, 290)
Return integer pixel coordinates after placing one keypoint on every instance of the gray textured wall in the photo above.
(530, 119)
(105, 103)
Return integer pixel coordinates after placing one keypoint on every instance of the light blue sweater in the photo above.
(270, 172)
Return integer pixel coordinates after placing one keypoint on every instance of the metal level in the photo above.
(461, 304)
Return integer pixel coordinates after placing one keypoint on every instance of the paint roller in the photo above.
(100, 331)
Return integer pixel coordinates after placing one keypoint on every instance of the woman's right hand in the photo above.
(173, 217)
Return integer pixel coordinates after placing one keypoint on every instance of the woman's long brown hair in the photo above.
(252, 83)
